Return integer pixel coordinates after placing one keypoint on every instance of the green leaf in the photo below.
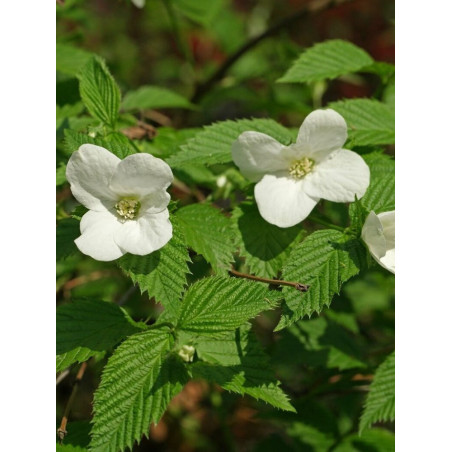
(137, 384)
(375, 440)
(319, 342)
(167, 141)
(380, 403)
(219, 303)
(369, 121)
(266, 251)
(200, 11)
(154, 97)
(78, 434)
(69, 448)
(213, 144)
(162, 273)
(388, 96)
(87, 327)
(324, 260)
(67, 231)
(69, 59)
(384, 70)
(238, 363)
(327, 60)
(209, 233)
(115, 142)
(61, 174)
(99, 91)
(380, 195)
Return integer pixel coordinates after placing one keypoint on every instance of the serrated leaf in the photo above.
(219, 303)
(78, 355)
(69, 59)
(87, 327)
(380, 402)
(213, 144)
(238, 363)
(369, 121)
(115, 142)
(154, 97)
(200, 11)
(375, 440)
(266, 251)
(380, 196)
(99, 91)
(137, 384)
(324, 260)
(162, 274)
(327, 60)
(67, 230)
(209, 233)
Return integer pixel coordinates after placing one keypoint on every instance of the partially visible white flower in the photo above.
(139, 3)
(222, 181)
(379, 235)
(187, 352)
(292, 179)
(127, 202)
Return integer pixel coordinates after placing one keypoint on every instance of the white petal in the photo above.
(89, 171)
(388, 260)
(322, 132)
(155, 202)
(146, 234)
(257, 154)
(282, 201)
(387, 220)
(139, 3)
(140, 175)
(339, 178)
(97, 239)
(372, 234)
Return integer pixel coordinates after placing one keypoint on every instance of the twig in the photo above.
(61, 432)
(313, 7)
(62, 375)
(277, 282)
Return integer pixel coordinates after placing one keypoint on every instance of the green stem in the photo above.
(168, 4)
(320, 220)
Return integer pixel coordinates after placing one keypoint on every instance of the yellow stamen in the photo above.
(299, 168)
(128, 208)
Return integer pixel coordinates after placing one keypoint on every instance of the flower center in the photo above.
(299, 168)
(128, 208)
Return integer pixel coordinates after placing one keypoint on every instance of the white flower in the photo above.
(187, 352)
(127, 202)
(379, 235)
(292, 179)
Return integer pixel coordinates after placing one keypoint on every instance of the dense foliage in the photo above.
(314, 368)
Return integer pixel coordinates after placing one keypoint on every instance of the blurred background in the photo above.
(172, 45)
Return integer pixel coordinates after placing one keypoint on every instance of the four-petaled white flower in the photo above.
(292, 179)
(127, 202)
(379, 235)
